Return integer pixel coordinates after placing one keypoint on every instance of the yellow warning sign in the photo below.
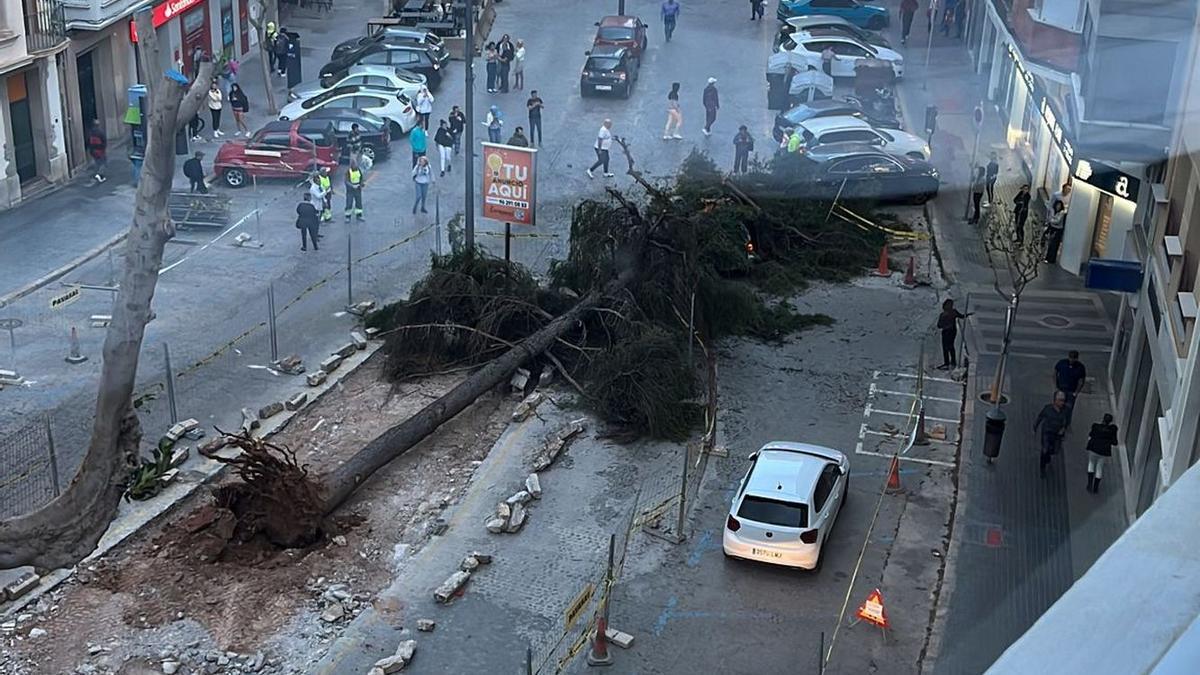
(577, 606)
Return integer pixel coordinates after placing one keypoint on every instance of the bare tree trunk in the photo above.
(268, 10)
(68, 528)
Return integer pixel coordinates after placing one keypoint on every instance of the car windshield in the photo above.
(615, 33)
(602, 63)
(773, 512)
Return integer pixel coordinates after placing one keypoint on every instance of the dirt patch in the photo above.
(174, 591)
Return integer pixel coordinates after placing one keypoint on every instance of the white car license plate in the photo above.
(766, 553)
(604, 87)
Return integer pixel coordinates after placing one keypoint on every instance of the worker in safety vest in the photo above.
(354, 186)
(326, 184)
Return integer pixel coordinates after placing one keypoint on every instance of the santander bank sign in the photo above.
(165, 12)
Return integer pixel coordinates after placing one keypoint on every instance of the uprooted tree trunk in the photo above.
(67, 529)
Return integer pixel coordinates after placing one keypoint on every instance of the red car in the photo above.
(278, 150)
(622, 31)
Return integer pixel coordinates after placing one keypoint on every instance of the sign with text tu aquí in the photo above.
(509, 183)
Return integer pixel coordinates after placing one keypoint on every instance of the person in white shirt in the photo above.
(604, 139)
(518, 66)
(215, 104)
(424, 105)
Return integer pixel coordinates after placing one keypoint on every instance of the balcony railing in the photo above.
(45, 26)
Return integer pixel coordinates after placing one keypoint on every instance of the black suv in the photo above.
(418, 58)
(372, 129)
(608, 69)
(398, 34)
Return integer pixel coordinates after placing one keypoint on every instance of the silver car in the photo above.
(786, 505)
(386, 77)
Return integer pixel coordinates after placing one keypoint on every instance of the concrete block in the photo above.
(316, 379)
(290, 365)
(168, 476)
(445, 593)
(270, 410)
(517, 521)
(346, 350)
(249, 420)
(296, 402)
(359, 339)
(622, 640)
(495, 525)
(406, 650)
(521, 497)
(179, 456)
(23, 584)
(331, 363)
(178, 429)
(389, 665)
(504, 511)
(371, 333)
(483, 558)
(10, 377)
(468, 564)
(519, 380)
(533, 485)
(426, 625)
(333, 612)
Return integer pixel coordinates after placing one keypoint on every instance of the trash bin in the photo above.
(993, 432)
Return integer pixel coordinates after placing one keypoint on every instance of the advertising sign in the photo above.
(1108, 178)
(509, 183)
(164, 13)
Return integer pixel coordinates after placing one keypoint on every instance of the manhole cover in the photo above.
(1054, 321)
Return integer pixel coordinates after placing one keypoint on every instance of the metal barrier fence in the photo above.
(29, 466)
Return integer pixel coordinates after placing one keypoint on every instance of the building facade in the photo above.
(1157, 347)
(32, 42)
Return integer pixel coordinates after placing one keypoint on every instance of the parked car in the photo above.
(384, 77)
(828, 107)
(826, 130)
(388, 34)
(608, 69)
(863, 171)
(417, 58)
(810, 22)
(859, 13)
(394, 107)
(786, 506)
(373, 130)
(622, 31)
(278, 150)
(849, 50)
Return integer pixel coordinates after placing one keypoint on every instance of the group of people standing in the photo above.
(502, 59)
(983, 182)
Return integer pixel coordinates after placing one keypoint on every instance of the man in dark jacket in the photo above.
(281, 51)
(518, 138)
(193, 169)
(1053, 421)
(458, 122)
(308, 221)
(711, 103)
(743, 144)
(1069, 378)
(1101, 440)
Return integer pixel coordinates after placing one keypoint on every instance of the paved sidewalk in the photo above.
(1019, 541)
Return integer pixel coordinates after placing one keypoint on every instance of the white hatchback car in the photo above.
(849, 50)
(845, 129)
(383, 77)
(392, 106)
(786, 505)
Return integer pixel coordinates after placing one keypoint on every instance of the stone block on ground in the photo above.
(212, 445)
(406, 650)
(10, 377)
(296, 402)
(359, 339)
(533, 485)
(504, 511)
(546, 377)
(526, 407)
(22, 585)
(389, 665)
(290, 365)
(517, 521)
(426, 625)
(331, 363)
(346, 350)
(521, 497)
(495, 525)
(333, 612)
(178, 429)
(270, 410)
(445, 593)
(316, 379)
(468, 564)
(372, 332)
(249, 420)
(622, 640)
(168, 476)
(179, 456)
(483, 558)
(519, 380)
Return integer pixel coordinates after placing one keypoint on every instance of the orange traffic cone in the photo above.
(910, 276)
(893, 482)
(882, 270)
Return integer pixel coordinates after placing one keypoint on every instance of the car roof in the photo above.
(352, 114)
(788, 470)
(838, 151)
(818, 125)
(824, 105)
(817, 20)
(608, 51)
(625, 21)
(825, 35)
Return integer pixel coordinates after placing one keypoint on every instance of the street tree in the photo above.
(1015, 264)
(64, 531)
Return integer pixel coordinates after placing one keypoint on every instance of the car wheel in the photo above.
(368, 151)
(234, 177)
(627, 90)
(284, 118)
(397, 130)
(921, 198)
(583, 91)
(876, 23)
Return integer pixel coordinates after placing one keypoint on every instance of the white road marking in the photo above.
(927, 377)
(910, 394)
(934, 462)
(904, 414)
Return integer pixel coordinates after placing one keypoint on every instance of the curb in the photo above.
(214, 471)
(62, 271)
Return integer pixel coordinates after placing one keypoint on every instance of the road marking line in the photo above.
(927, 377)
(899, 434)
(913, 393)
(904, 414)
(902, 458)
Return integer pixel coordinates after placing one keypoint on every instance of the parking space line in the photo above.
(911, 393)
(904, 414)
(898, 434)
(927, 377)
(902, 458)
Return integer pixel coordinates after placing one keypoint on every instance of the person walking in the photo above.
(756, 10)
(193, 170)
(603, 143)
(712, 103)
(1053, 422)
(326, 183)
(458, 122)
(494, 123)
(444, 140)
(215, 103)
(354, 142)
(505, 54)
(1020, 214)
(743, 145)
(518, 66)
(422, 175)
(947, 323)
(240, 104)
(195, 126)
(674, 114)
(424, 106)
(269, 40)
(1069, 377)
(951, 6)
(518, 138)
(977, 187)
(308, 222)
(1053, 234)
(534, 105)
(908, 9)
(418, 142)
(315, 191)
(1101, 440)
(993, 174)
(281, 52)
(354, 181)
(491, 62)
(670, 15)
(97, 146)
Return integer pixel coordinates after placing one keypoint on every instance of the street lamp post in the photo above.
(469, 130)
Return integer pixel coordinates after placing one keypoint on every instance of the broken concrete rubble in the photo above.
(533, 485)
(445, 593)
(526, 407)
(270, 410)
(331, 363)
(316, 379)
(517, 521)
(296, 401)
